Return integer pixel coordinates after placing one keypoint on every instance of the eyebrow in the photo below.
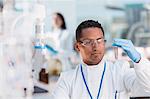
(100, 38)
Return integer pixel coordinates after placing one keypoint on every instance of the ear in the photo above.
(76, 46)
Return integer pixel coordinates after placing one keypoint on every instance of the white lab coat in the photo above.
(63, 43)
(118, 76)
(62, 39)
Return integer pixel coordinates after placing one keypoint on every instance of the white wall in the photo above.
(66, 7)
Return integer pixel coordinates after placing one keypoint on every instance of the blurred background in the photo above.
(37, 39)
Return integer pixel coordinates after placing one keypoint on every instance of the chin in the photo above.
(94, 62)
(97, 62)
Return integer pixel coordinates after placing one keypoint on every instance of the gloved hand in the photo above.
(129, 48)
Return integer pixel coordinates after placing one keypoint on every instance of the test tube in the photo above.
(116, 52)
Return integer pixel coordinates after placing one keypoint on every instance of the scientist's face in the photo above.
(91, 45)
(57, 21)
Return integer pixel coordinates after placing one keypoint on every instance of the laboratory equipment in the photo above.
(16, 68)
(115, 52)
(40, 51)
(43, 76)
(16, 50)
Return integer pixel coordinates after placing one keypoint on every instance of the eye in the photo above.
(86, 42)
(100, 40)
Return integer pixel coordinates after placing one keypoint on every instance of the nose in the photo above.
(95, 43)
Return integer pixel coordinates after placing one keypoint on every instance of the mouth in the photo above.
(95, 53)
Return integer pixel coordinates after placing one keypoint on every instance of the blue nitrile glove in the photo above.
(129, 48)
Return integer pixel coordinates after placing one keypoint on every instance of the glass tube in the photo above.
(115, 52)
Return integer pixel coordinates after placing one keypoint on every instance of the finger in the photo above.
(126, 48)
(118, 44)
(121, 41)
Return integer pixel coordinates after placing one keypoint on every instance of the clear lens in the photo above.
(91, 42)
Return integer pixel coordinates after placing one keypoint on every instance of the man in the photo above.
(96, 78)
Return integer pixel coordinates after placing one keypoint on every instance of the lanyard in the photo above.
(116, 94)
(101, 81)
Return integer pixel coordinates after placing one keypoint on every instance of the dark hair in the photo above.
(63, 26)
(87, 24)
